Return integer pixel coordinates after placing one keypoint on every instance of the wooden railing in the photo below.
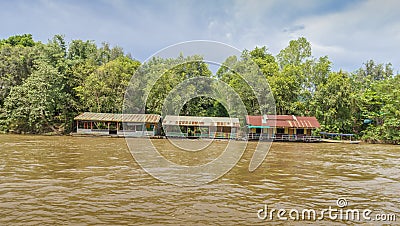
(204, 135)
(283, 137)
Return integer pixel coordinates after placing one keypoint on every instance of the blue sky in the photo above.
(350, 32)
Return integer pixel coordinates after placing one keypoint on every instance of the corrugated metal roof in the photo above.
(200, 121)
(289, 121)
(110, 117)
(279, 117)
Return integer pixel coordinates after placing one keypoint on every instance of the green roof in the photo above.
(258, 127)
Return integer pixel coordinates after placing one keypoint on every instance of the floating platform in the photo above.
(284, 138)
(339, 135)
(113, 136)
(341, 141)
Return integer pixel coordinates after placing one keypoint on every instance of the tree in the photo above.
(265, 61)
(104, 89)
(234, 73)
(295, 54)
(16, 64)
(81, 50)
(285, 88)
(24, 40)
(171, 73)
(106, 54)
(39, 104)
(332, 103)
(381, 104)
(292, 86)
(370, 72)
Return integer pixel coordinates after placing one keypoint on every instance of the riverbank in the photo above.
(159, 137)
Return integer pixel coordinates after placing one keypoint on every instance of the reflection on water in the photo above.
(78, 180)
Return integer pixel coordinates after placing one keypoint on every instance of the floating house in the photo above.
(282, 127)
(136, 125)
(201, 127)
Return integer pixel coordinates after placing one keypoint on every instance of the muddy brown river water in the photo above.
(50, 180)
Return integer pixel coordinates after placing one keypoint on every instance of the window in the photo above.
(150, 128)
(280, 130)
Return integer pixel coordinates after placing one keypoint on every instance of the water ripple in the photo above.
(69, 180)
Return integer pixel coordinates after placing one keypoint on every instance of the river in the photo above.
(52, 180)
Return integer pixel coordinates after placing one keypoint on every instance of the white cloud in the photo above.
(349, 32)
(369, 30)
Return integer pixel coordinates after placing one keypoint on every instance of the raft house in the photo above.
(201, 127)
(135, 125)
(282, 128)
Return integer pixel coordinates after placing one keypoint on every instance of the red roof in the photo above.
(289, 121)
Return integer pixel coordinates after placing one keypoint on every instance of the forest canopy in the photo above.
(44, 86)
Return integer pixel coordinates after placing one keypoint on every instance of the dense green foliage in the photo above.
(43, 86)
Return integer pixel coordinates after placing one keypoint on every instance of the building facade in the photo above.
(135, 125)
(280, 126)
(201, 127)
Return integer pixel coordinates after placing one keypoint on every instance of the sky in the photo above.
(349, 32)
